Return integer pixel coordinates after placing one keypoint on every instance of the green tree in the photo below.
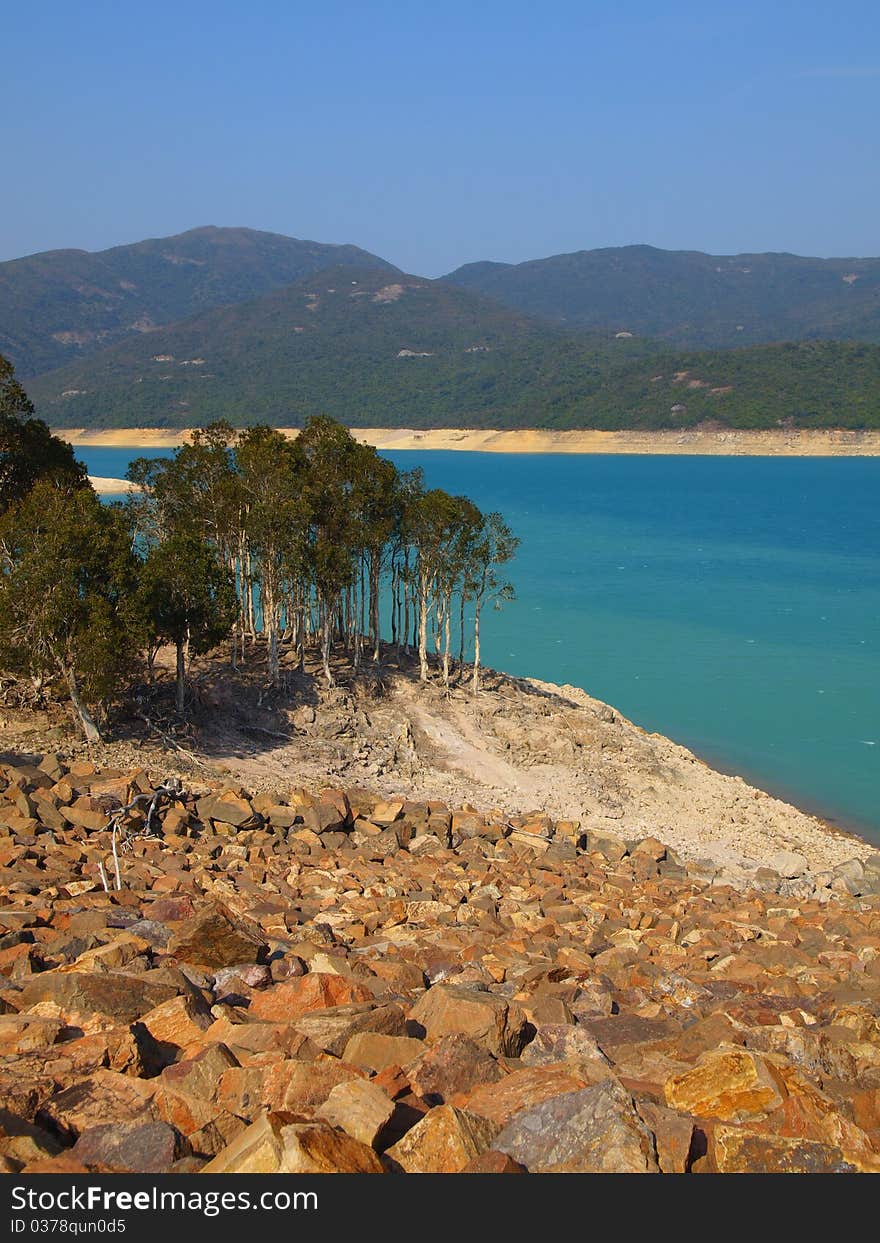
(67, 578)
(28, 450)
(329, 468)
(494, 548)
(434, 522)
(186, 597)
(274, 519)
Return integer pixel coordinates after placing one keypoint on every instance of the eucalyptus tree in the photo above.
(376, 503)
(186, 596)
(409, 489)
(269, 471)
(67, 593)
(495, 546)
(329, 468)
(434, 525)
(455, 563)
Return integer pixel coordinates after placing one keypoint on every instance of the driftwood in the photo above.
(121, 836)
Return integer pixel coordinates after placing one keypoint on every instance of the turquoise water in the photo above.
(731, 603)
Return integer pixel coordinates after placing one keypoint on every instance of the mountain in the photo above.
(66, 304)
(352, 342)
(688, 298)
(377, 349)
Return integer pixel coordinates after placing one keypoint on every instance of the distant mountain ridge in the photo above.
(375, 349)
(249, 326)
(66, 304)
(688, 298)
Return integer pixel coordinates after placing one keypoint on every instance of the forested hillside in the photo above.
(409, 352)
(66, 304)
(689, 298)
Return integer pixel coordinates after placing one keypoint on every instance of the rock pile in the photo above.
(339, 983)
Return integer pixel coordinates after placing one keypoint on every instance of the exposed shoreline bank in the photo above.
(726, 442)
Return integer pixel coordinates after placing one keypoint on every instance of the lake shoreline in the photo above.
(837, 814)
(697, 442)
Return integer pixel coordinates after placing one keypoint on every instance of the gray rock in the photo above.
(850, 869)
(562, 1042)
(593, 1131)
(800, 887)
(789, 864)
(131, 1147)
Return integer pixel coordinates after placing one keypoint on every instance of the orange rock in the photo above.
(492, 1021)
(299, 1087)
(376, 1051)
(315, 991)
(740, 1151)
(443, 1142)
(729, 1083)
(173, 1025)
(280, 1143)
(523, 1089)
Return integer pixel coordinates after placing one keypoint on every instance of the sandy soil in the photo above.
(779, 443)
(106, 486)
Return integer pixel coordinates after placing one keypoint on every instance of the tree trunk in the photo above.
(375, 560)
(406, 594)
(89, 726)
(461, 637)
(325, 644)
(446, 637)
(475, 682)
(423, 627)
(181, 676)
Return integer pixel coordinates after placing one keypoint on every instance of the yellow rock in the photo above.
(729, 1083)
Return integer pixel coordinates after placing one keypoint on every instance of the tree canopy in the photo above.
(240, 535)
(28, 450)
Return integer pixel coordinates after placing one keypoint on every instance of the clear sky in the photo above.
(440, 133)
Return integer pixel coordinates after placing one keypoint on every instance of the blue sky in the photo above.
(440, 133)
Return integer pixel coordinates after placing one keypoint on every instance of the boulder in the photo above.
(593, 1131)
(443, 1142)
(216, 938)
(740, 1151)
(318, 990)
(728, 1083)
(375, 1050)
(453, 1065)
(563, 1042)
(280, 1143)
(523, 1089)
(300, 1087)
(130, 1147)
(360, 1108)
(105, 1097)
(789, 864)
(113, 994)
(494, 1022)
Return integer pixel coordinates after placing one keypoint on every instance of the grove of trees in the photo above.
(242, 535)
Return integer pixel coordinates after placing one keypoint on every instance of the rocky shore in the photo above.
(336, 981)
(782, 442)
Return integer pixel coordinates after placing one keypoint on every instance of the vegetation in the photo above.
(28, 451)
(67, 590)
(67, 304)
(241, 534)
(416, 353)
(307, 531)
(688, 298)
